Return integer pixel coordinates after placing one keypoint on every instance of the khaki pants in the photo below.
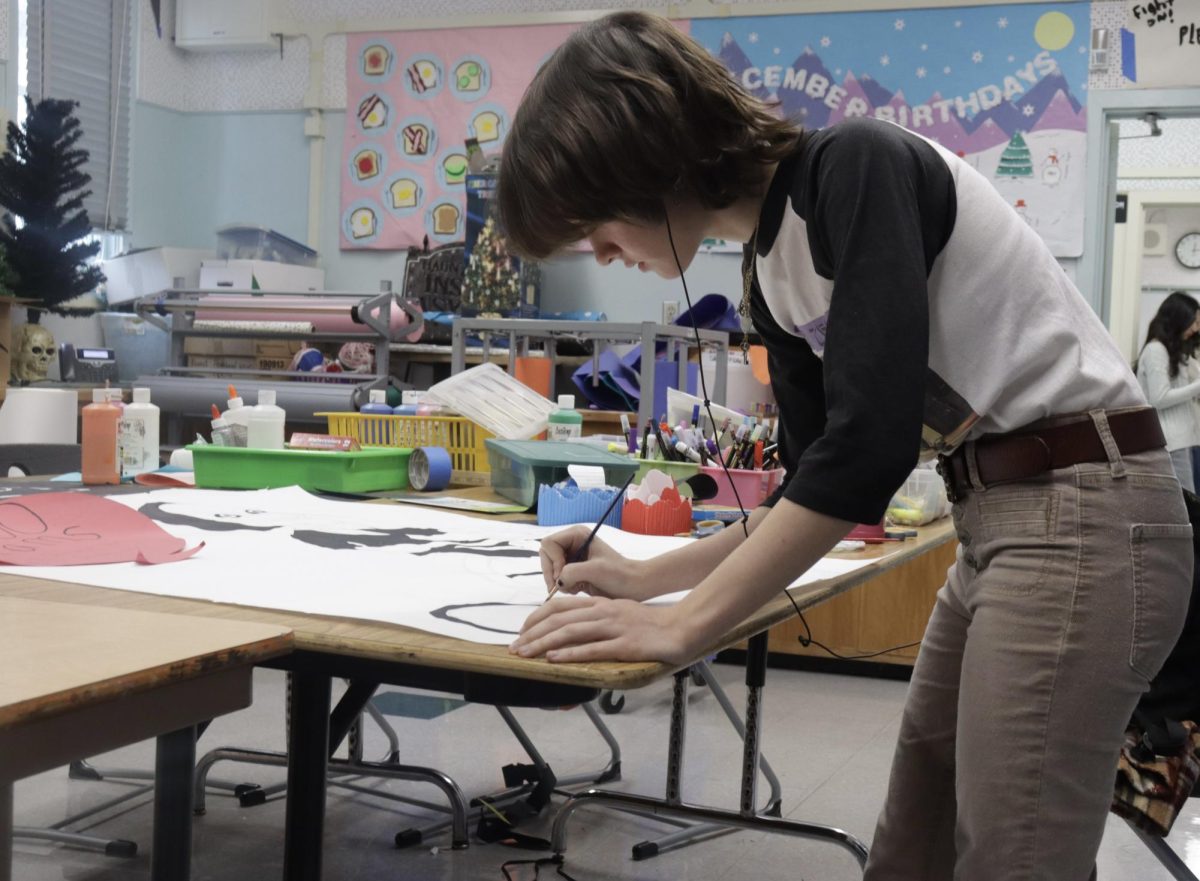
(1068, 593)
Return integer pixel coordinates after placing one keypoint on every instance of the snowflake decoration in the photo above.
(958, 24)
(753, 37)
(775, 50)
(899, 25)
(921, 73)
(945, 70)
(884, 60)
(977, 56)
(838, 72)
(1002, 23)
(1083, 49)
(924, 47)
(1028, 110)
(825, 42)
(1011, 59)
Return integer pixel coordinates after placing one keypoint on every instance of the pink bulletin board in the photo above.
(412, 98)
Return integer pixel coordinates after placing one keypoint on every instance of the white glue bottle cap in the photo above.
(141, 396)
(566, 402)
(99, 396)
(266, 397)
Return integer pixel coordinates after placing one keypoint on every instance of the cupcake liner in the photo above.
(560, 505)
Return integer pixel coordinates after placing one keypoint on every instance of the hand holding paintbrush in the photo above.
(581, 553)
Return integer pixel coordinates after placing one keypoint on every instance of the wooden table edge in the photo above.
(143, 681)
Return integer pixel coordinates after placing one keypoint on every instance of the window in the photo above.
(67, 56)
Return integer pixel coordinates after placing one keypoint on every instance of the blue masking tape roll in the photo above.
(429, 469)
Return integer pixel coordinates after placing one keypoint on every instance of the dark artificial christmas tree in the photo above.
(43, 187)
(492, 283)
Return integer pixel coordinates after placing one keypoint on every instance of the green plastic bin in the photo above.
(520, 467)
(242, 468)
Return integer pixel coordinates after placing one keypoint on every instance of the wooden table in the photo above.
(327, 646)
(82, 679)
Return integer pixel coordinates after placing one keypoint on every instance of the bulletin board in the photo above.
(412, 98)
(1001, 86)
(1004, 87)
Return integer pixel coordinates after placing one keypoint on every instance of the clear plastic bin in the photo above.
(487, 395)
(241, 241)
(922, 499)
(520, 467)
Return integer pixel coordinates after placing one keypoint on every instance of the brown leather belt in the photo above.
(1026, 454)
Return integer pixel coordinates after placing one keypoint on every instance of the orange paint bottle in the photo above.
(101, 462)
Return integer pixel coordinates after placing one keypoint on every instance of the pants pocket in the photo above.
(1162, 557)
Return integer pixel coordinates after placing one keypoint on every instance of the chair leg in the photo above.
(1165, 855)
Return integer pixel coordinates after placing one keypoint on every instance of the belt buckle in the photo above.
(947, 474)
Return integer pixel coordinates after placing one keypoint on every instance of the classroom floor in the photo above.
(830, 739)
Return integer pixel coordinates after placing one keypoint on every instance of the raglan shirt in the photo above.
(906, 307)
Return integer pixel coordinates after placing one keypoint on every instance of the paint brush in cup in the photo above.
(581, 553)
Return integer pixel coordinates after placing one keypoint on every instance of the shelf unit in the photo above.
(183, 391)
(520, 332)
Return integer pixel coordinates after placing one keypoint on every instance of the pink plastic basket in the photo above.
(753, 486)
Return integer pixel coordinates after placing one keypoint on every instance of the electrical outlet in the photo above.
(670, 311)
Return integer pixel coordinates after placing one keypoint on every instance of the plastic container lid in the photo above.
(490, 397)
(266, 397)
(235, 403)
(141, 396)
(566, 402)
(99, 396)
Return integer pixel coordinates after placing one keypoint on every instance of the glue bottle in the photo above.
(222, 431)
(139, 435)
(100, 462)
(566, 423)
(377, 403)
(265, 428)
(237, 415)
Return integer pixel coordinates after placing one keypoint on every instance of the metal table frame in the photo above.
(519, 331)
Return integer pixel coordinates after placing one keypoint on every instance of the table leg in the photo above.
(6, 824)
(174, 765)
(672, 806)
(308, 755)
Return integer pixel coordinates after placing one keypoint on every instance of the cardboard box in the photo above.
(206, 345)
(277, 348)
(273, 363)
(149, 271)
(221, 362)
(259, 275)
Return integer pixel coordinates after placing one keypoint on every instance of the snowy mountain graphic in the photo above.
(796, 103)
(732, 56)
(1048, 104)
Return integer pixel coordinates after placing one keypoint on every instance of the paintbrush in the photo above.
(581, 554)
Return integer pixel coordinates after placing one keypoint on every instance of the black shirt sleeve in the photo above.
(879, 206)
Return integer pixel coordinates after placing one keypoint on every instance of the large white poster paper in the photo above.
(445, 573)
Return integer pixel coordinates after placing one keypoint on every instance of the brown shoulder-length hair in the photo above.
(626, 114)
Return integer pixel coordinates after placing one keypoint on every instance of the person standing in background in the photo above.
(1162, 370)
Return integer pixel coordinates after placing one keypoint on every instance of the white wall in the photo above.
(1165, 270)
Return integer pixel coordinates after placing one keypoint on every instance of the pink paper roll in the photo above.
(327, 315)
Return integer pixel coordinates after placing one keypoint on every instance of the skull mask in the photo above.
(34, 350)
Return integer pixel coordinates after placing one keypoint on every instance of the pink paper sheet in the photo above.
(74, 529)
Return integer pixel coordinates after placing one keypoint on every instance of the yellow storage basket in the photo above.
(461, 437)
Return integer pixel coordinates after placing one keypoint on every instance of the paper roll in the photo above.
(39, 416)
